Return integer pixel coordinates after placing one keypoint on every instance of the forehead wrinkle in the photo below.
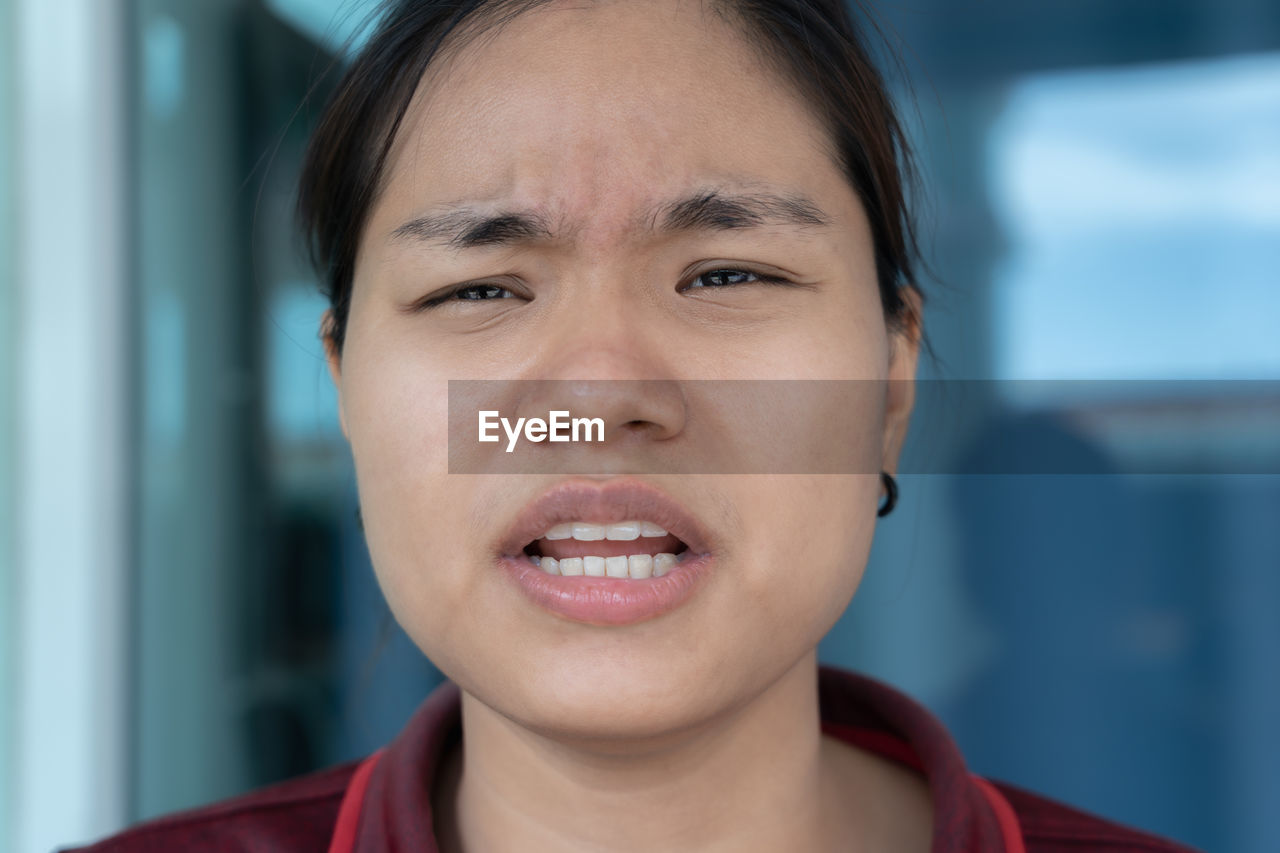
(709, 213)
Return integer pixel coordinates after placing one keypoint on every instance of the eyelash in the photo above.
(760, 278)
(455, 294)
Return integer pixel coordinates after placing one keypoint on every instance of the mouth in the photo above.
(620, 518)
(636, 549)
(608, 554)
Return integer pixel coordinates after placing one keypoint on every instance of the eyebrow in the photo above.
(712, 210)
(704, 210)
(465, 229)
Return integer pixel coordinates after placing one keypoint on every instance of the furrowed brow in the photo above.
(466, 229)
(705, 210)
(712, 210)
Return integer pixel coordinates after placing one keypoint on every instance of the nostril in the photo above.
(638, 426)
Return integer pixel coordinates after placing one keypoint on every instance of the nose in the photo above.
(609, 354)
(633, 411)
(603, 361)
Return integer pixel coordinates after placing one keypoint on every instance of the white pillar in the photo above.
(73, 495)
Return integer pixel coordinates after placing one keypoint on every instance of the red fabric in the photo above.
(395, 816)
(884, 744)
(889, 746)
(1010, 826)
(348, 822)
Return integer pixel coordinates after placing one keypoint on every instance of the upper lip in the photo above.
(604, 503)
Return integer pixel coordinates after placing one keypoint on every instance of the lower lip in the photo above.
(609, 601)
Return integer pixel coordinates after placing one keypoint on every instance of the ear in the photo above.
(333, 357)
(904, 353)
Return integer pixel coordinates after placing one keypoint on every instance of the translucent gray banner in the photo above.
(769, 426)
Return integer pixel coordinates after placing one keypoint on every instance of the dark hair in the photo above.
(814, 43)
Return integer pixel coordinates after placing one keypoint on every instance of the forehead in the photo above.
(591, 112)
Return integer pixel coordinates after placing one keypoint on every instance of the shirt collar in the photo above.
(396, 813)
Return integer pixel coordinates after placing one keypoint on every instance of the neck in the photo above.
(761, 778)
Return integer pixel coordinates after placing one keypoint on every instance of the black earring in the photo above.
(890, 494)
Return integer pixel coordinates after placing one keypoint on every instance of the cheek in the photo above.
(396, 411)
(397, 422)
(840, 335)
(806, 544)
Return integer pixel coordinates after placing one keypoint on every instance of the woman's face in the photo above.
(594, 122)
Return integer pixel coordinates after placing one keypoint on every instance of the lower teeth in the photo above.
(635, 566)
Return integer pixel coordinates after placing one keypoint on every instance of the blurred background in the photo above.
(1082, 578)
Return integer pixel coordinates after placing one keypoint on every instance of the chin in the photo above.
(607, 696)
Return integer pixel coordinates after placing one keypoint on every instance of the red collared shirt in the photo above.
(382, 804)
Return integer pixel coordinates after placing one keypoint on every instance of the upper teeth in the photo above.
(623, 531)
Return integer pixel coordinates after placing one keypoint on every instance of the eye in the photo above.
(477, 292)
(730, 277)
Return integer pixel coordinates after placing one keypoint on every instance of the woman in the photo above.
(586, 194)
